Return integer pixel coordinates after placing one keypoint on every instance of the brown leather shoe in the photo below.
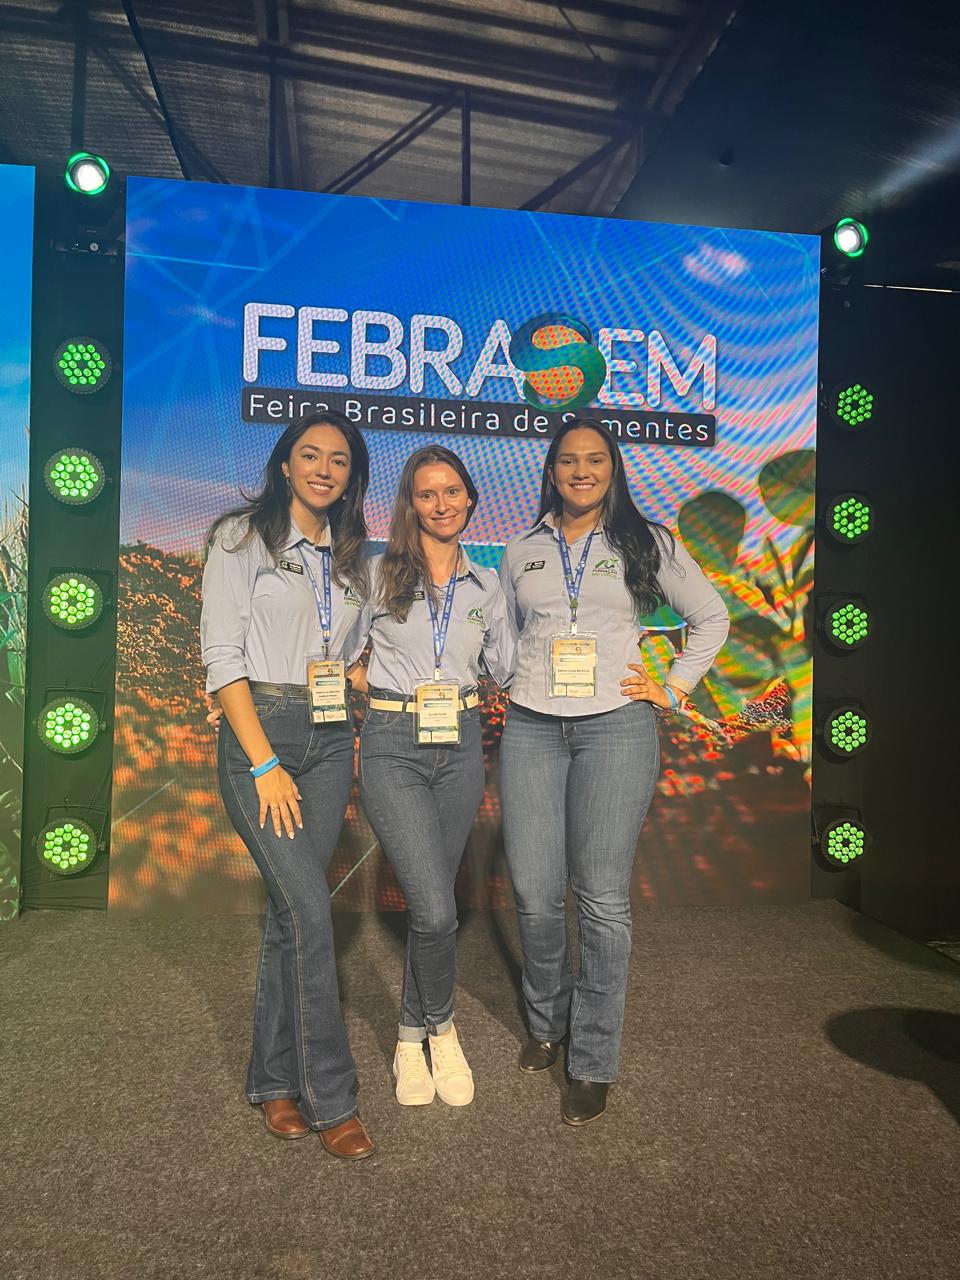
(349, 1141)
(282, 1117)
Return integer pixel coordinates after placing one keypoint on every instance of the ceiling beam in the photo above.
(524, 101)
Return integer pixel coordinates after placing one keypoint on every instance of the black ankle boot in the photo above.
(585, 1100)
(538, 1055)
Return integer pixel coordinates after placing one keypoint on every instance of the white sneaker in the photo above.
(415, 1087)
(451, 1075)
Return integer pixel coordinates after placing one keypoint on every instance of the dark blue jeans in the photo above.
(421, 803)
(575, 793)
(300, 1047)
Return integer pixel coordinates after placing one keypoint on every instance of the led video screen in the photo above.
(246, 307)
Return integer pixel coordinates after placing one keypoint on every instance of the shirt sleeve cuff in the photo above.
(223, 671)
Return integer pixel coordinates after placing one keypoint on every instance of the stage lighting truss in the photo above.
(850, 518)
(850, 237)
(74, 476)
(87, 174)
(844, 622)
(82, 365)
(851, 404)
(846, 732)
(842, 842)
(72, 601)
(68, 725)
(67, 847)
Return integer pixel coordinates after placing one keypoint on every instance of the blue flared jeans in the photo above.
(421, 802)
(300, 1047)
(575, 792)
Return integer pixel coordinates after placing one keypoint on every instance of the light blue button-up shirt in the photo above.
(259, 618)
(531, 572)
(480, 635)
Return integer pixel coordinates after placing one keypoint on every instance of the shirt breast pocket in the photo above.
(275, 594)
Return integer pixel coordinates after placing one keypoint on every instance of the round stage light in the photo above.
(843, 842)
(74, 476)
(68, 725)
(67, 847)
(82, 365)
(852, 405)
(72, 601)
(850, 237)
(850, 518)
(846, 731)
(848, 624)
(87, 174)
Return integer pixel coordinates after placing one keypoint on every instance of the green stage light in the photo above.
(847, 624)
(846, 731)
(72, 601)
(68, 725)
(850, 237)
(850, 518)
(87, 174)
(82, 365)
(74, 476)
(852, 405)
(843, 842)
(67, 847)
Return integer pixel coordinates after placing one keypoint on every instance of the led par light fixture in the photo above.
(851, 404)
(87, 174)
(850, 237)
(844, 621)
(72, 601)
(842, 841)
(68, 725)
(74, 476)
(850, 518)
(66, 847)
(82, 365)
(845, 732)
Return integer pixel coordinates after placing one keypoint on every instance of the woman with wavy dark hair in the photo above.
(578, 763)
(438, 618)
(284, 619)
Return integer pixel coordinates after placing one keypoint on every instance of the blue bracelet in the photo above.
(267, 765)
(674, 700)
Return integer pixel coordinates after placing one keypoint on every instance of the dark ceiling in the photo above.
(757, 113)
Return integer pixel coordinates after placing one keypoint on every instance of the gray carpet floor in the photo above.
(788, 1108)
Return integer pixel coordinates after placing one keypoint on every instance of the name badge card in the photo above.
(327, 682)
(438, 713)
(572, 666)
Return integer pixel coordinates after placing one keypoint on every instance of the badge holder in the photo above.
(572, 666)
(437, 713)
(327, 682)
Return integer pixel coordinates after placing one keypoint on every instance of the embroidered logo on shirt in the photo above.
(351, 598)
(476, 617)
(533, 564)
(418, 595)
(607, 568)
(291, 567)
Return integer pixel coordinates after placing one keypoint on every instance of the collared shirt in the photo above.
(531, 572)
(259, 617)
(479, 633)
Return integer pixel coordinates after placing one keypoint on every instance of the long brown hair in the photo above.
(267, 512)
(403, 569)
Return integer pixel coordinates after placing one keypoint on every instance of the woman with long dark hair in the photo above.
(438, 618)
(579, 756)
(284, 619)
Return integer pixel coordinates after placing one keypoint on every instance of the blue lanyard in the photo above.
(324, 606)
(442, 625)
(573, 583)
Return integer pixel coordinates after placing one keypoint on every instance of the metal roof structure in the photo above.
(514, 103)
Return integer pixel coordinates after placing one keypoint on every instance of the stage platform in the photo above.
(788, 1108)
